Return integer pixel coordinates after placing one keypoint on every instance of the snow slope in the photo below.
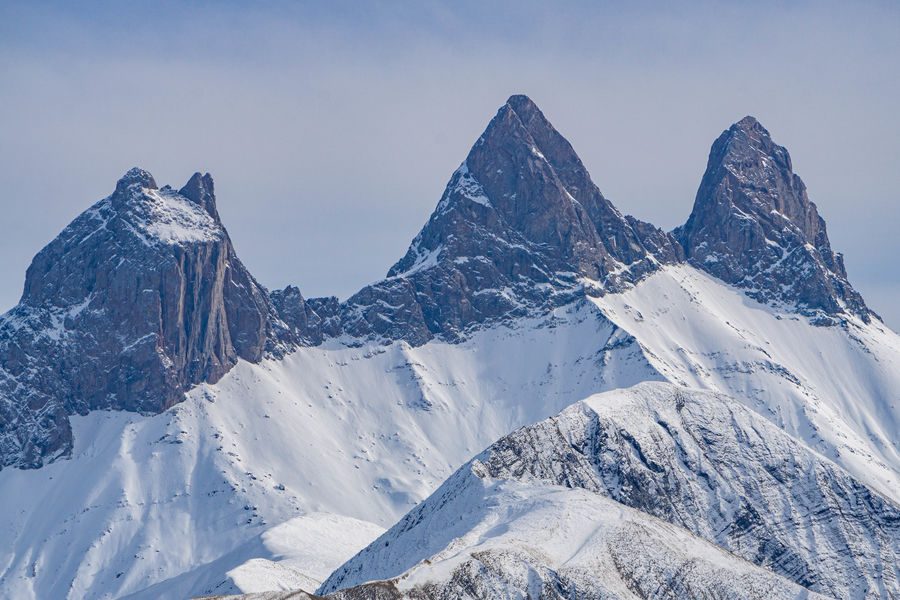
(178, 500)
(299, 553)
(698, 460)
(502, 539)
(836, 388)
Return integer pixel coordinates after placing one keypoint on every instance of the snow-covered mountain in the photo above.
(136, 301)
(502, 527)
(169, 427)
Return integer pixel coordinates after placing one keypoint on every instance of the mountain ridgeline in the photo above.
(143, 296)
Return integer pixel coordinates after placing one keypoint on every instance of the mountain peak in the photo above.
(136, 176)
(141, 297)
(200, 190)
(520, 121)
(754, 226)
(520, 227)
(747, 147)
(748, 123)
(523, 106)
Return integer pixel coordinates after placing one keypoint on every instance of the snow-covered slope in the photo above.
(836, 388)
(484, 539)
(367, 432)
(298, 553)
(698, 460)
(362, 432)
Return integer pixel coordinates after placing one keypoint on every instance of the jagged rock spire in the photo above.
(754, 226)
(138, 299)
(520, 227)
(201, 191)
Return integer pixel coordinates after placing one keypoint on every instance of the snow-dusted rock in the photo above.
(698, 460)
(135, 302)
(518, 226)
(754, 226)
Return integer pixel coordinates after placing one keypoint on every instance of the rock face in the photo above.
(519, 228)
(136, 301)
(753, 226)
(698, 460)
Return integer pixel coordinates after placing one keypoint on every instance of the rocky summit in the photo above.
(136, 301)
(754, 226)
(520, 228)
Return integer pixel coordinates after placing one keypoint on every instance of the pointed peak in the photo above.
(198, 181)
(136, 176)
(747, 148)
(754, 226)
(749, 132)
(749, 123)
(526, 112)
(201, 191)
(522, 105)
(520, 127)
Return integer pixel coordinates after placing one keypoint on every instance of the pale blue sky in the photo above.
(332, 129)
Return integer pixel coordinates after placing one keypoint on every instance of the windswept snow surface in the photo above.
(698, 460)
(297, 554)
(493, 539)
(178, 500)
(836, 388)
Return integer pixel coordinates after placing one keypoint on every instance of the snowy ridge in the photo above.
(361, 432)
(697, 460)
(508, 539)
(835, 388)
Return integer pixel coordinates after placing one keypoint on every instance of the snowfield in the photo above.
(700, 461)
(178, 500)
(835, 388)
(180, 503)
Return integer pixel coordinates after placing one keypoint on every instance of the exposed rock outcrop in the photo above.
(520, 228)
(753, 226)
(137, 300)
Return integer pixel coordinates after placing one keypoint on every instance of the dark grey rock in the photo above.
(753, 226)
(517, 230)
(139, 299)
(308, 322)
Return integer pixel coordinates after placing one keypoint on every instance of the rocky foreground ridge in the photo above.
(695, 460)
(655, 491)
